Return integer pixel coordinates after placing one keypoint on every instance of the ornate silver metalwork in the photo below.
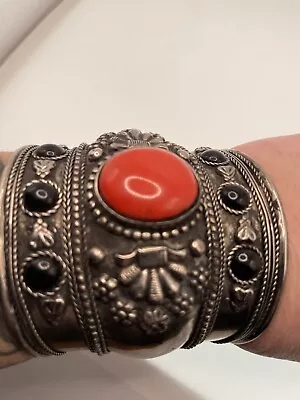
(13, 196)
(124, 312)
(84, 303)
(45, 213)
(229, 209)
(15, 347)
(246, 231)
(51, 155)
(53, 309)
(214, 230)
(274, 248)
(240, 297)
(155, 320)
(122, 283)
(149, 270)
(61, 282)
(120, 225)
(135, 138)
(228, 171)
(42, 236)
(43, 167)
(95, 154)
(229, 260)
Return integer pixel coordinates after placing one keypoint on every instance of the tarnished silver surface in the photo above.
(13, 346)
(79, 270)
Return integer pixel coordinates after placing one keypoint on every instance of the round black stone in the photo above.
(213, 157)
(235, 197)
(246, 264)
(42, 274)
(40, 197)
(50, 151)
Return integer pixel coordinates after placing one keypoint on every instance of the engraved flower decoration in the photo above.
(134, 137)
(43, 167)
(155, 320)
(42, 236)
(124, 312)
(246, 231)
(182, 304)
(153, 272)
(105, 288)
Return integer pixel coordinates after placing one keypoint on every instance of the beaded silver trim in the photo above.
(216, 253)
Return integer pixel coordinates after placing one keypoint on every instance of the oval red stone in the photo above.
(148, 184)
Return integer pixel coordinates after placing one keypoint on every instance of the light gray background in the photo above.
(199, 72)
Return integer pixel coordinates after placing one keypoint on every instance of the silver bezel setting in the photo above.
(61, 282)
(230, 258)
(229, 209)
(54, 158)
(46, 213)
(135, 229)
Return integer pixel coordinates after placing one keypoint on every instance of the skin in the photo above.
(280, 160)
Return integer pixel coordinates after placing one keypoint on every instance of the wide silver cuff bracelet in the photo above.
(134, 244)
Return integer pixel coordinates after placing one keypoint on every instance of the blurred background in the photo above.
(199, 72)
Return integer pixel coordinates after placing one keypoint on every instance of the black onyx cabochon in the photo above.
(42, 274)
(214, 156)
(40, 197)
(235, 197)
(50, 150)
(246, 264)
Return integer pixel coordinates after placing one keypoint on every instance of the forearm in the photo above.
(280, 159)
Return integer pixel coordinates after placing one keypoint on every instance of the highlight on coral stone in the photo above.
(148, 184)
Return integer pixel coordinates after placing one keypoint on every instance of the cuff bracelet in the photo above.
(136, 245)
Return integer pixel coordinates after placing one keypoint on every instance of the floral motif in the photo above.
(182, 304)
(124, 312)
(43, 167)
(153, 272)
(42, 236)
(200, 275)
(105, 288)
(246, 231)
(134, 137)
(155, 320)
